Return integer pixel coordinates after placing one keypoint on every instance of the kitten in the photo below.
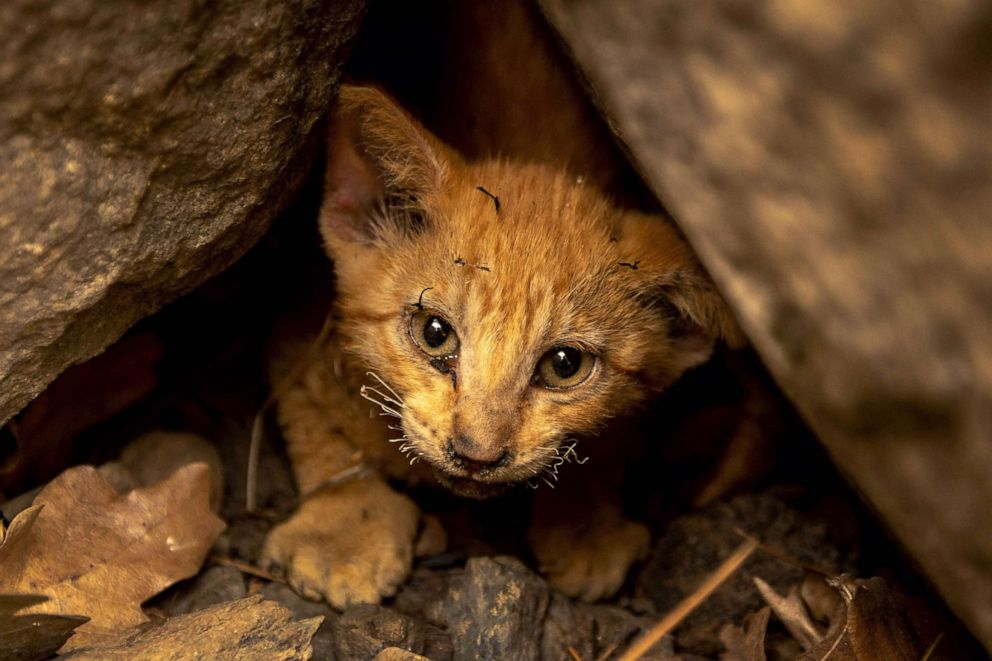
(507, 319)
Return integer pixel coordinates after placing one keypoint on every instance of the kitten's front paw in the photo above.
(593, 564)
(349, 546)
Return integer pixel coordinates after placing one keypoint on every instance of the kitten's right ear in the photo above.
(380, 164)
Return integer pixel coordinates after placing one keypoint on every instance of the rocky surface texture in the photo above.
(832, 166)
(144, 146)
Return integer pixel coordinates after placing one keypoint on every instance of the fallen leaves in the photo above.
(99, 554)
(249, 629)
(866, 622)
(31, 636)
(863, 620)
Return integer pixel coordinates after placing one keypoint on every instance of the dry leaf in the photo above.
(96, 553)
(35, 635)
(746, 643)
(792, 612)
(157, 454)
(871, 626)
(249, 629)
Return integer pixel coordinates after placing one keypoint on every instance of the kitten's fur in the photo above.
(409, 231)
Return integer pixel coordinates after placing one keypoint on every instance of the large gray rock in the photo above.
(496, 611)
(832, 165)
(144, 146)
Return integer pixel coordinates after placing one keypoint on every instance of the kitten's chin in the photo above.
(466, 487)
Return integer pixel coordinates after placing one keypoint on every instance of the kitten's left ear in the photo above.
(378, 159)
(675, 283)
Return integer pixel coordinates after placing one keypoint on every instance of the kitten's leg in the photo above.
(350, 543)
(581, 540)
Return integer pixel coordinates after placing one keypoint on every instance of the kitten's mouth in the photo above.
(470, 487)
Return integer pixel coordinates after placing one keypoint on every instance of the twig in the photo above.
(640, 646)
(244, 568)
(254, 447)
(607, 652)
(933, 646)
(572, 652)
(347, 475)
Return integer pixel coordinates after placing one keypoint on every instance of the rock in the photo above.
(249, 629)
(423, 596)
(398, 654)
(212, 586)
(694, 544)
(365, 630)
(495, 610)
(588, 629)
(144, 146)
(831, 164)
(323, 639)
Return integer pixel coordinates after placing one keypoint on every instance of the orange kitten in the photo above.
(507, 319)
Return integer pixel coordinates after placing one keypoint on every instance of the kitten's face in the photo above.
(507, 333)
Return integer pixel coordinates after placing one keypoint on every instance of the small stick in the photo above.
(572, 652)
(490, 195)
(420, 300)
(640, 646)
(244, 567)
(933, 646)
(607, 652)
(346, 475)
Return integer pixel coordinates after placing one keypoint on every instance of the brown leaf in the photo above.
(792, 612)
(96, 553)
(874, 626)
(157, 454)
(249, 629)
(35, 635)
(746, 643)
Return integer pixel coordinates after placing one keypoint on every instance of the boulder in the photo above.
(832, 166)
(144, 146)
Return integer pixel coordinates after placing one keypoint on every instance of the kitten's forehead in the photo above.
(528, 222)
(522, 274)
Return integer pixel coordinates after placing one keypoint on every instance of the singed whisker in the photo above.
(386, 398)
(386, 410)
(385, 385)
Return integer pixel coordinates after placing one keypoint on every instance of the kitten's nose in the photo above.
(475, 457)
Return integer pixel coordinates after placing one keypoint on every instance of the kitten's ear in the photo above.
(380, 164)
(675, 284)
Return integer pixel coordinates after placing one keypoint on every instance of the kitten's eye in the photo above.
(564, 367)
(433, 335)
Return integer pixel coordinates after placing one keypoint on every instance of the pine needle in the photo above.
(682, 610)
(244, 567)
(933, 646)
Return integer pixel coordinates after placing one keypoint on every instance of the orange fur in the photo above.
(557, 264)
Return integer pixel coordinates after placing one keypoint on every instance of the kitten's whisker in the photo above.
(386, 398)
(545, 480)
(395, 427)
(572, 455)
(386, 409)
(532, 485)
(398, 440)
(385, 385)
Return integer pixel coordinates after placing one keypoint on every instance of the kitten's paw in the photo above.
(593, 565)
(349, 546)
